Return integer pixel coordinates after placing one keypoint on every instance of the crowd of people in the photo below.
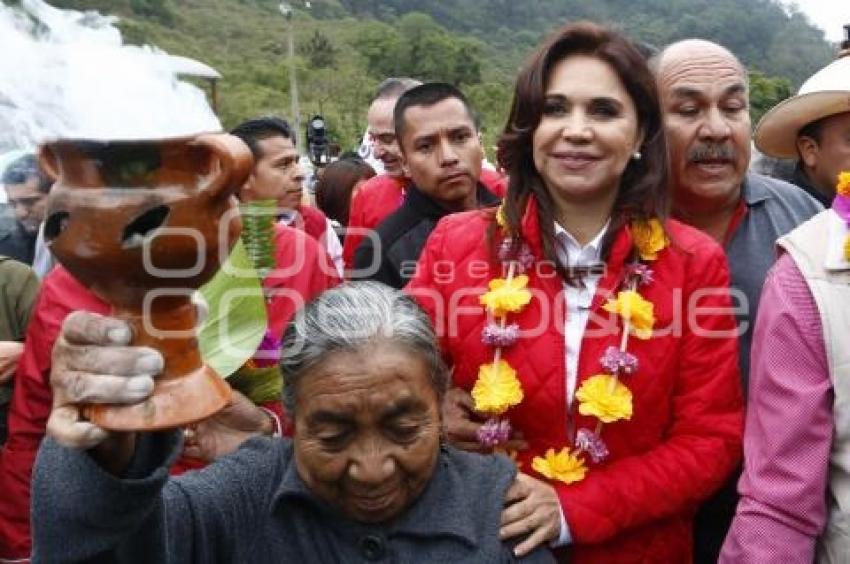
(619, 345)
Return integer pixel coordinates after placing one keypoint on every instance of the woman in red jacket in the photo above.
(583, 325)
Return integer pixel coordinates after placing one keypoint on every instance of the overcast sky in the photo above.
(829, 15)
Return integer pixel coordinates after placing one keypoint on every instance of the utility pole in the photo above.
(286, 10)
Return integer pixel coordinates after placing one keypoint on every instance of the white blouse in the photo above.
(578, 298)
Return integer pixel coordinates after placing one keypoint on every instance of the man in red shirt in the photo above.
(279, 176)
(383, 194)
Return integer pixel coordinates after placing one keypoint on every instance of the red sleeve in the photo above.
(31, 402)
(313, 222)
(302, 271)
(356, 222)
(373, 203)
(494, 182)
(703, 443)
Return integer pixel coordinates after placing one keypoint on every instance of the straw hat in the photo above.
(825, 93)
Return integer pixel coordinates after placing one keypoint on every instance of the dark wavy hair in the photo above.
(334, 187)
(643, 189)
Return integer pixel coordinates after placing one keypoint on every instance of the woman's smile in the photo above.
(575, 160)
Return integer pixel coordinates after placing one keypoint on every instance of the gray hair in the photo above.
(348, 317)
(394, 87)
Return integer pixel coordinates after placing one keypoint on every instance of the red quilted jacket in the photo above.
(684, 437)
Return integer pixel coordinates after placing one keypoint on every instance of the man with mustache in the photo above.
(439, 144)
(704, 96)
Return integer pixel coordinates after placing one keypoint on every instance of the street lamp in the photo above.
(286, 10)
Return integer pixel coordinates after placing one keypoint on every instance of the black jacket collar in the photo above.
(429, 207)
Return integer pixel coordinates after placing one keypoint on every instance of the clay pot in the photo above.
(143, 224)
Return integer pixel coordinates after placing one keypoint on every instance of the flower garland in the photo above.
(841, 206)
(497, 388)
(603, 396)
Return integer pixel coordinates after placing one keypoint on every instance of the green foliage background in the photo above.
(345, 47)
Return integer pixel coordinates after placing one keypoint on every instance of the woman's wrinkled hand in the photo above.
(92, 363)
(10, 354)
(461, 424)
(532, 509)
(225, 431)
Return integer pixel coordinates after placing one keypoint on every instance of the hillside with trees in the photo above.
(345, 47)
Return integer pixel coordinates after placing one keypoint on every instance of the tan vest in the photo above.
(807, 245)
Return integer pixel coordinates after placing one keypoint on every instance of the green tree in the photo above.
(381, 47)
(766, 92)
(320, 51)
(492, 101)
(157, 10)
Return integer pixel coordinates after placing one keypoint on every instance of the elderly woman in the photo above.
(583, 318)
(365, 477)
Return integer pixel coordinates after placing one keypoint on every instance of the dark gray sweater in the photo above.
(252, 507)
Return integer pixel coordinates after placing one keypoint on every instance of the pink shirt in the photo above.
(788, 430)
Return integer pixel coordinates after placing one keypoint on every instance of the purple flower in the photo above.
(522, 255)
(505, 249)
(525, 257)
(494, 335)
(592, 444)
(641, 272)
(618, 362)
(841, 206)
(494, 432)
(268, 353)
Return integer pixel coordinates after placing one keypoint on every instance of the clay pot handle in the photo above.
(47, 162)
(235, 162)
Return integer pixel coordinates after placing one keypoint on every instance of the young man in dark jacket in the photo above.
(442, 152)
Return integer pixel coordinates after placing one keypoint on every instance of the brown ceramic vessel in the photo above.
(143, 224)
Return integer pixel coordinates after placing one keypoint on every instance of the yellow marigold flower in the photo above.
(649, 238)
(507, 295)
(843, 186)
(497, 388)
(847, 249)
(632, 307)
(605, 398)
(565, 466)
(501, 220)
